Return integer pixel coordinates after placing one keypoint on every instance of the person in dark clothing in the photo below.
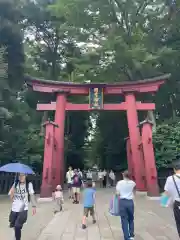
(76, 186)
(104, 178)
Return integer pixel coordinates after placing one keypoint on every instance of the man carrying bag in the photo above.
(172, 190)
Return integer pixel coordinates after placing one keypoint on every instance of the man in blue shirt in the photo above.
(88, 203)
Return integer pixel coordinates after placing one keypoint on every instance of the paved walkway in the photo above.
(152, 222)
(34, 226)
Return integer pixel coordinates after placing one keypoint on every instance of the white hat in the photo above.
(58, 187)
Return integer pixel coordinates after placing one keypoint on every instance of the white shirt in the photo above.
(112, 175)
(69, 176)
(171, 189)
(104, 173)
(125, 189)
(89, 175)
(80, 174)
(58, 194)
(100, 175)
(20, 199)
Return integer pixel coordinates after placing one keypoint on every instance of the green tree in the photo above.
(167, 143)
(94, 41)
(52, 54)
(132, 41)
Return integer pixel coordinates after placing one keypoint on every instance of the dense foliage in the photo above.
(167, 143)
(83, 40)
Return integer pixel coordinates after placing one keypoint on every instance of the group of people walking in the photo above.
(104, 177)
(76, 178)
(74, 181)
(22, 192)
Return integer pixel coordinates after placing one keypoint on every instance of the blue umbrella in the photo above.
(16, 168)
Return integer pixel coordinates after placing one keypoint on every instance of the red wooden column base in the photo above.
(47, 178)
(149, 159)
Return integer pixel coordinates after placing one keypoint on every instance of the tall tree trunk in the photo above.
(172, 107)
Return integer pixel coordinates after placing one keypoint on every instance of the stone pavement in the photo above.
(152, 222)
(34, 226)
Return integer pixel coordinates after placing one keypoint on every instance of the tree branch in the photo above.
(124, 16)
(142, 7)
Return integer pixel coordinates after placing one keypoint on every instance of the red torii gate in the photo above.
(140, 153)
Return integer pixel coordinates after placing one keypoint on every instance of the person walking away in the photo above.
(94, 177)
(172, 190)
(80, 173)
(69, 176)
(104, 178)
(100, 177)
(88, 203)
(76, 186)
(111, 178)
(125, 189)
(89, 175)
(58, 199)
(21, 193)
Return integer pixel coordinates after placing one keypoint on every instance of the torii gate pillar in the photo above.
(48, 165)
(150, 166)
(134, 136)
(59, 135)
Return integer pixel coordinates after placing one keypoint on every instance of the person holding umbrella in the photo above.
(21, 193)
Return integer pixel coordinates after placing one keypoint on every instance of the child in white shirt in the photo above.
(58, 199)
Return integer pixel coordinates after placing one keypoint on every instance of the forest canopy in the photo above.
(87, 41)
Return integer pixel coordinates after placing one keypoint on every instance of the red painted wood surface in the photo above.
(150, 166)
(76, 90)
(129, 159)
(47, 185)
(85, 107)
(147, 85)
(134, 136)
(59, 136)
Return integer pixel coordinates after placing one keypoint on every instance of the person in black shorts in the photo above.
(20, 193)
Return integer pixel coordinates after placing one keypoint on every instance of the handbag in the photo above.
(114, 206)
(164, 200)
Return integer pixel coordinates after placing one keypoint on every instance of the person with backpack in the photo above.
(21, 193)
(172, 190)
(76, 186)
